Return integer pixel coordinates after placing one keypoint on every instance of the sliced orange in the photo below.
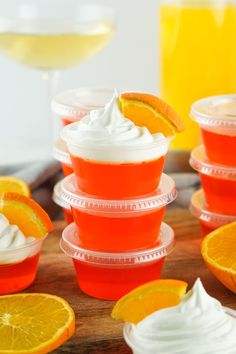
(219, 253)
(24, 212)
(149, 111)
(34, 323)
(148, 298)
(14, 185)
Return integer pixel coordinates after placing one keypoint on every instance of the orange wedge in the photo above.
(219, 253)
(14, 185)
(149, 111)
(148, 298)
(24, 212)
(34, 323)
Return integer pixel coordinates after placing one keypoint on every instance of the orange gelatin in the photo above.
(220, 148)
(18, 276)
(117, 180)
(113, 283)
(67, 169)
(116, 233)
(220, 194)
(68, 216)
(206, 228)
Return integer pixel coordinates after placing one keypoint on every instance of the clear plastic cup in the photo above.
(57, 193)
(62, 155)
(18, 266)
(73, 105)
(127, 330)
(109, 276)
(218, 182)
(217, 119)
(209, 220)
(118, 225)
(116, 171)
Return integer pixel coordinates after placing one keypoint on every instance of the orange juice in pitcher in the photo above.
(198, 56)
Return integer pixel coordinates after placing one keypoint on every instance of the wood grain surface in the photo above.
(96, 332)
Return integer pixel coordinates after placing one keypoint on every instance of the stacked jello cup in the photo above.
(117, 196)
(215, 161)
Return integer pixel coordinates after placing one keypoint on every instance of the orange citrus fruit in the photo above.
(148, 298)
(149, 111)
(219, 253)
(24, 212)
(34, 323)
(14, 185)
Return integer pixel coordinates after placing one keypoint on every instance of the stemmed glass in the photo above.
(51, 35)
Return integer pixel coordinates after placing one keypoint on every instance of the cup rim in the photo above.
(213, 119)
(165, 194)
(25, 246)
(56, 197)
(199, 210)
(112, 259)
(60, 152)
(63, 105)
(200, 163)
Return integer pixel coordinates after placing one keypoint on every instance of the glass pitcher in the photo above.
(198, 56)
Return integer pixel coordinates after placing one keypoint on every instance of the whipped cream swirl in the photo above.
(198, 325)
(12, 238)
(106, 135)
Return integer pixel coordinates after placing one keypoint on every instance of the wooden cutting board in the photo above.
(96, 332)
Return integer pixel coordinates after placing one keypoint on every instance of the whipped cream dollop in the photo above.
(11, 238)
(106, 135)
(198, 325)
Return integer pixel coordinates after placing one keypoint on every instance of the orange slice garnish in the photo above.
(14, 185)
(148, 298)
(34, 323)
(219, 253)
(24, 212)
(149, 111)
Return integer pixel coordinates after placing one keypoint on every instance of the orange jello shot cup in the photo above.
(62, 155)
(72, 105)
(109, 276)
(116, 171)
(217, 119)
(118, 225)
(57, 198)
(218, 182)
(208, 220)
(18, 266)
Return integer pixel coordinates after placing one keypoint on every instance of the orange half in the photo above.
(219, 253)
(34, 323)
(149, 111)
(148, 298)
(24, 212)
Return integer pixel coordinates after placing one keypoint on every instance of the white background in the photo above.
(129, 61)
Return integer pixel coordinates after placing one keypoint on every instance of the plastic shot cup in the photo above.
(18, 266)
(62, 155)
(116, 171)
(109, 276)
(216, 117)
(73, 105)
(218, 182)
(57, 198)
(118, 225)
(208, 220)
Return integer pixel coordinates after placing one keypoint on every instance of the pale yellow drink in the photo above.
(198, 56)
(55, 50)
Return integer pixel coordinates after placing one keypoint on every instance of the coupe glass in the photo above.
(51, 35)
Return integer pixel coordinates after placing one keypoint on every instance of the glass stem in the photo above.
(51, 78)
